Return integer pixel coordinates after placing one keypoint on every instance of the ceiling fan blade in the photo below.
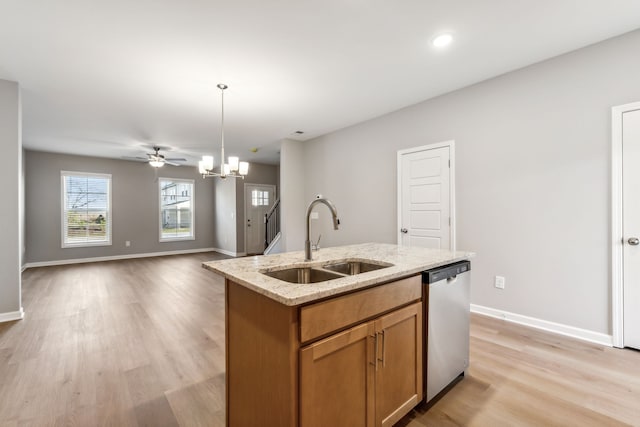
(135, 159)
(176, 159)
(171, 163)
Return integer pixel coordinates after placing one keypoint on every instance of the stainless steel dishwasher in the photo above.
(447, 290)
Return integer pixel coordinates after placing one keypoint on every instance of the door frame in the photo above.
(244, 222)
(617, 235)
(452, 186)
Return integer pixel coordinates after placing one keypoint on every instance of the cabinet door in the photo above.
(336, 380)
(399, 364)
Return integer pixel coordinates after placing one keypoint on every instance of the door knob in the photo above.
(633, 241)
(405, 231)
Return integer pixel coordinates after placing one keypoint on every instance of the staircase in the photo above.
(272, 232)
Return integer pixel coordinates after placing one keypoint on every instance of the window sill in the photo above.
(176, 239)
(84, 245)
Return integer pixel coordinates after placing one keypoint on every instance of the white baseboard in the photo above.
(226, 252)
(545, 325)
(12, 315)
(116, 257)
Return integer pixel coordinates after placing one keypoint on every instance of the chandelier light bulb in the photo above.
(233, 163)
(244, 168)
(207, 162)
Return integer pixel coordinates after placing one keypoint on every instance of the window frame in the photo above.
(63, 210)
(193, 210)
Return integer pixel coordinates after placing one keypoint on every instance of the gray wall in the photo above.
(23, 234)
(292, 194)
(10, 175)
(135, 207)
(532, 177)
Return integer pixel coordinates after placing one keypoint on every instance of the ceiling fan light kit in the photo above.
(233, 167)
(155, 159)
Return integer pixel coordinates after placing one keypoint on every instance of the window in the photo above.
(86, 209)
(259, 198)
(176, 209)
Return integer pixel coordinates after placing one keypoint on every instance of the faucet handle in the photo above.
(316, 246)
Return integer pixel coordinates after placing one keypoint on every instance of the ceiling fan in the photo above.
(157, 160)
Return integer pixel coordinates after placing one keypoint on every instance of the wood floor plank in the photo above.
(155, 413)
(102, 343)
(199, 405)
(141, 342)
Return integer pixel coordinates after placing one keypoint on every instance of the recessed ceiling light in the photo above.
(442, 40)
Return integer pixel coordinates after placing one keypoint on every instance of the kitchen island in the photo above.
(345, 350)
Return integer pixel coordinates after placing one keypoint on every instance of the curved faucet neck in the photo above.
(336, 222)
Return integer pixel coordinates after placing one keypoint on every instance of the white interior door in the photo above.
(258, 199)
(631, 227)
(425, 196)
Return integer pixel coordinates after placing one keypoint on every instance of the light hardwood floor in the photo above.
(141, 343)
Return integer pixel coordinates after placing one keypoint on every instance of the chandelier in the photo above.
(234, 167)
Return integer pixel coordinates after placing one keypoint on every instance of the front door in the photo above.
(425, 211)
(258, 198)
(631, 227)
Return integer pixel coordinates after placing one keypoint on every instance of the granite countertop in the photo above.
(406, 261)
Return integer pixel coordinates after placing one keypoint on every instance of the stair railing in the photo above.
(272, 223)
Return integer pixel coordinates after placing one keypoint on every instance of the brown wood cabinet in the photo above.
(361, 363)
(399, 364)
(369, 375)
(337, 379)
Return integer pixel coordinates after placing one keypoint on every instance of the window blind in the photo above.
(86, 209)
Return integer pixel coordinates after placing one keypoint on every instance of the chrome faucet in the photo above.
(336, 222)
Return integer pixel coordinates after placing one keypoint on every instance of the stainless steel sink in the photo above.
(303, 275)
(329, 271)
(355, 267)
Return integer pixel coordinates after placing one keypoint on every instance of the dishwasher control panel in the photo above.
(445, 272)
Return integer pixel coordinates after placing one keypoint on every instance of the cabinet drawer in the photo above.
(322, 318)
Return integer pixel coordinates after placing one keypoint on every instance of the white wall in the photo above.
(532, 159)
(10, 214)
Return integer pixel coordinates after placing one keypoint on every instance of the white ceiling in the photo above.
(110, 78)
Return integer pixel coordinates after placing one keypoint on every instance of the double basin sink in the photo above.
(328, 271)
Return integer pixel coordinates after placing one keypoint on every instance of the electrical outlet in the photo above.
(499, 282)
(127, 243)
